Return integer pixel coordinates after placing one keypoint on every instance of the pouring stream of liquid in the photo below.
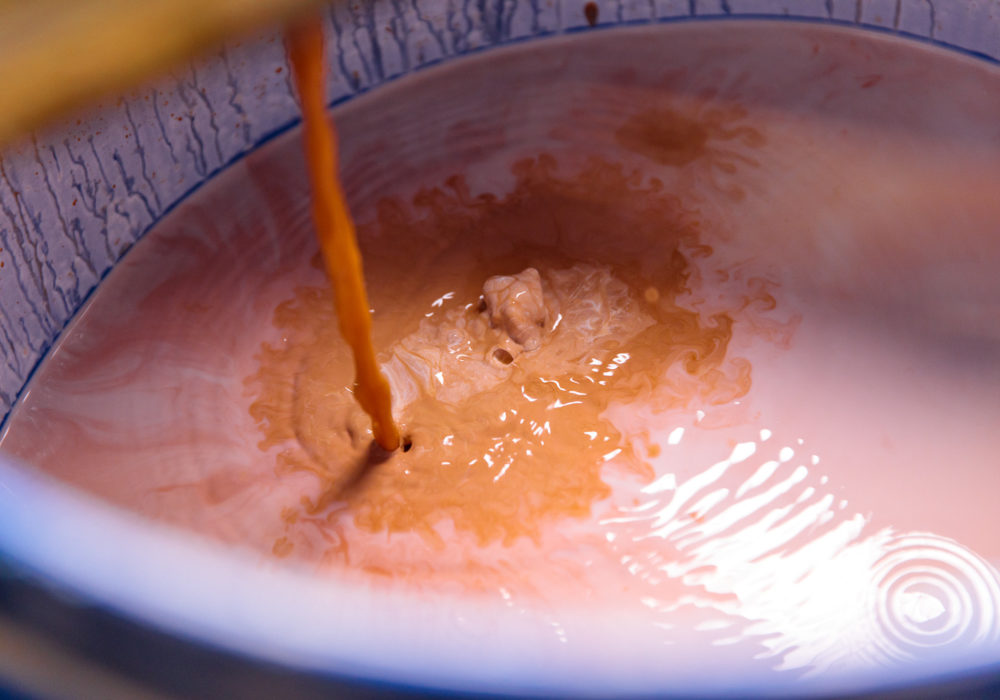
(335, 229)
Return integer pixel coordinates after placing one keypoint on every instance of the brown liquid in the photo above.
(506, 441)
(715, 134)
(504, 422)
(335, 230)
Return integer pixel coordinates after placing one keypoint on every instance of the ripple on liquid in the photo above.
(933, 592)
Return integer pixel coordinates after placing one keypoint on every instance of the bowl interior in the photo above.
(849, 173)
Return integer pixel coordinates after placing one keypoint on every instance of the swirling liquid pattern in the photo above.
(754, 484)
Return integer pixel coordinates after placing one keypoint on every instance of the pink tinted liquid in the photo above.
(838, 515)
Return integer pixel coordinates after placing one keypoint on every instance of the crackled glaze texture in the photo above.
(74, 197)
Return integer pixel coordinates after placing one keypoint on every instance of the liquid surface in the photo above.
(507, 411)
(713, 346)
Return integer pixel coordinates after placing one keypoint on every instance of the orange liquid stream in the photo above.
(335, 229)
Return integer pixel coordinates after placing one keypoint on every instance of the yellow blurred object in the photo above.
(57, 54)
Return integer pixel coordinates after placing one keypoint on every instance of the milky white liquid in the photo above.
(838, 516)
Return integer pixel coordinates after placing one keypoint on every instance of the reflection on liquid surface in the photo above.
(754, 412)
